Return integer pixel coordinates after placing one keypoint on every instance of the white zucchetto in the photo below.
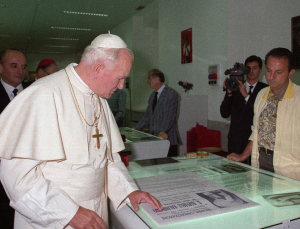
(108, 41)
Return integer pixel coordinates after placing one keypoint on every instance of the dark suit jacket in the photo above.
(241, 118)
(6, 212)
(164, 116)
(4, 99)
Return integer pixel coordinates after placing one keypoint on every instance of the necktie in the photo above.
(154, 101)
(250, 90)
(15, 91)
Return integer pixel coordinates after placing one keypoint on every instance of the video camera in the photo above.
(236, 73)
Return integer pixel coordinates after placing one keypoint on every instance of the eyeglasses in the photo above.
(46, 72)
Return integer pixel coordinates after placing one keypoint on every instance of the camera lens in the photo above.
(232, 83)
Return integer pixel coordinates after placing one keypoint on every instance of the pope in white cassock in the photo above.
(60, 143)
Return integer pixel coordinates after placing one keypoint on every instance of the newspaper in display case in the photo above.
(188, 196)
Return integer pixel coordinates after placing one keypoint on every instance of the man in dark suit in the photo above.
(239, 105)
(12, 69)
(161, 111)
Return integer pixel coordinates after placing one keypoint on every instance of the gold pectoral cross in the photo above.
(97, 135)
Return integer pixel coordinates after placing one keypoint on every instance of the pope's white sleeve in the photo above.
(120, 183)
(42, 203)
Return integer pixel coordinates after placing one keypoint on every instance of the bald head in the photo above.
(13, 65)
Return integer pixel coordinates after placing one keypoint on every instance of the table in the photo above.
(141, 145)
(252, 184)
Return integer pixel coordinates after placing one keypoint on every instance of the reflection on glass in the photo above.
(284, 199)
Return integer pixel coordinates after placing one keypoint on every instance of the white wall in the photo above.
(208, 19)
(124, 30)
(256, 27)
(143, 41)
(145, 48)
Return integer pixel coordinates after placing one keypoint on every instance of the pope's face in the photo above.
(277, 73)
(110, 80)
(255, 70)
(13, 67)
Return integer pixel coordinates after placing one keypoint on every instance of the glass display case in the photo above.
(251, 182)
(141, 145)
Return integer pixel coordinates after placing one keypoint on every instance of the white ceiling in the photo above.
(26, 24)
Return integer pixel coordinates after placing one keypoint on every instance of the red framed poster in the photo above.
(186, 46)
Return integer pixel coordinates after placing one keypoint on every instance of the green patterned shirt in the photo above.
(267, 120)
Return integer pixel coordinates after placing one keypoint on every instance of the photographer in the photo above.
(239, 105)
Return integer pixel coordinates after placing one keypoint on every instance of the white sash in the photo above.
(81, 184)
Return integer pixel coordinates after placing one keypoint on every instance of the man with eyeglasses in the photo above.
(46, 67)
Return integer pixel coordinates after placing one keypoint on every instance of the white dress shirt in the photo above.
(9, 89)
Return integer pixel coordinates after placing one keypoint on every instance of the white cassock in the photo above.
(50, 164)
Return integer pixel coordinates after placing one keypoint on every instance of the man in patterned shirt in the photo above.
(275, 140)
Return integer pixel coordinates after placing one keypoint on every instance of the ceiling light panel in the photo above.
(63, 38)
(58, 46)
(67, 28)
(84, 13)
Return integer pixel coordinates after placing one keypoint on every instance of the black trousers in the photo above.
(173, 151)
(7, 213)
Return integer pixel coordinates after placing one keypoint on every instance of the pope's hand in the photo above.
(85, 218)
(137, 197)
